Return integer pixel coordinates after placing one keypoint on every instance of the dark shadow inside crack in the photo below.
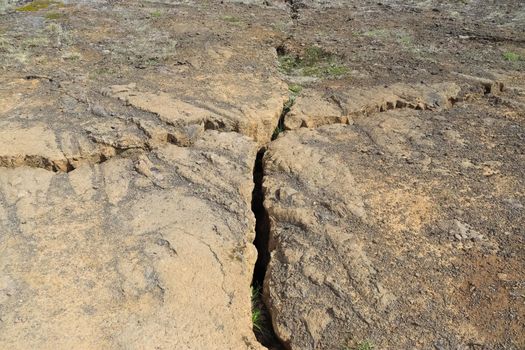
(261, 221)
(261, 318)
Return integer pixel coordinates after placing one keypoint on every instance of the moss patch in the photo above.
(38, 5)
(295, 88)
(315, 62)
(156, 14)
(53, 15)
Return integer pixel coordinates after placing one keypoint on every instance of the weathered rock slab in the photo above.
(403, 229)
(142, 251)
(313, 109)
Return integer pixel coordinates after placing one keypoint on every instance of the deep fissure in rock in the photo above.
(262, 227)
(287, 107)
(262, 325)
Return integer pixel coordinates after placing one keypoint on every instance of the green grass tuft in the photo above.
(335, 70)
(256, 319)
(256, 311)
(512, 56)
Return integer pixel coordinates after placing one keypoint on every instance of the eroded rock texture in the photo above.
(404, 228)
(125, 204)
(128, 138)
(143, 251)
(312, 109)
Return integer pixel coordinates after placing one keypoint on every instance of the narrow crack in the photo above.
(62, 165)
(261, 318)
(287, 107)
(262, 227)
(36, 161)
(262, 325)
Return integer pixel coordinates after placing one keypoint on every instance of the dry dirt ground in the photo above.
(262, 174)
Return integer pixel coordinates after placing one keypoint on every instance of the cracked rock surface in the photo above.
(126, 161)
(366, 158)
(148, 250)
(404, 228)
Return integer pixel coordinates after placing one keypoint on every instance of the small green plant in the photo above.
(256, 319)
(314, 62)
(53, 15)
(37, 5)
(287, 63)
(315, 54)
(295, 88)
(512, 56)
(256, 311)
(156, 14)
(335, 70)
(365, 345)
